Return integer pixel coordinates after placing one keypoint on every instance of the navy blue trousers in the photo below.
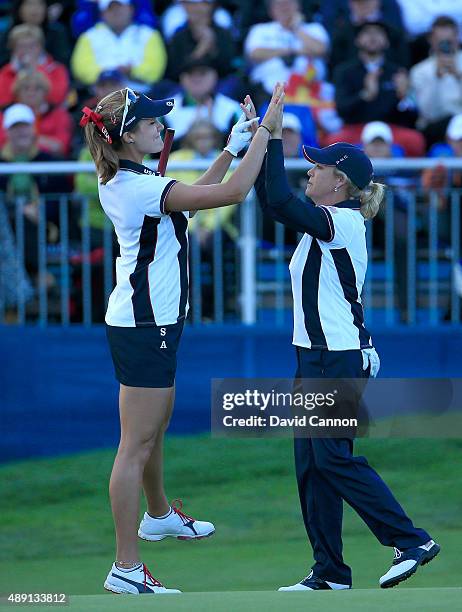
(328, 473)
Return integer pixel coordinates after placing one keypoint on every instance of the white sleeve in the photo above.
(317, 31)
(343, 227)
(254, 39)
(152, 192)
(426, 87)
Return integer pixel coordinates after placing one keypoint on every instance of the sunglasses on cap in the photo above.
(138, 106)
(130, 98)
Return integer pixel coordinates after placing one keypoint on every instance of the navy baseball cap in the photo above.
(138, 106)
(110, 75)
(347, 158)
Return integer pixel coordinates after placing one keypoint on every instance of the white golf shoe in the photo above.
(175, 525)
(136, 581)
(406, 562)
(313, 583)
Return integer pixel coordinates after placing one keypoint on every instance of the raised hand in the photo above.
(371, 85)
(248, 108)
(242, 132)
(273, 116)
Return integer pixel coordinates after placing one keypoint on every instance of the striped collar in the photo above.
(131, 166)
(353, 204)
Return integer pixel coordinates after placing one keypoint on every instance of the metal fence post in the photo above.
(247, 245)
(279, 288)
(108, 257)
(196, 289)
(20, 243)
(218, 265)
(455, 253)
(86, 264)
(64, 258)
(411, 260)
(42, 263)
(389, 257)
(433, 258)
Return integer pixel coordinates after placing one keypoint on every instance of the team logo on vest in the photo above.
(163, 332)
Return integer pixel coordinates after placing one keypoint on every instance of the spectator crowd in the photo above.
(345, 62)
(383, 74)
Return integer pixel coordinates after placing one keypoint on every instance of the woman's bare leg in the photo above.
(153, 475)
(142, 415)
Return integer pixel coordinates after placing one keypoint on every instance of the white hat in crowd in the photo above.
(103, 4)
(291, 122)
(376, 129)
(17, 113)
(454, 129)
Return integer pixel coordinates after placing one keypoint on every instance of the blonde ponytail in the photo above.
(103, 152)
(370, 197)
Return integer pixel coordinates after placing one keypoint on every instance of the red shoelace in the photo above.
(147, 574)
(176, 505)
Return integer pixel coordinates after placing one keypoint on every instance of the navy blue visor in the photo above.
(347, 158)
(138, 106)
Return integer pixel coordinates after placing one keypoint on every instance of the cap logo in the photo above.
(169, 103)
(130, 121)
(341, 159)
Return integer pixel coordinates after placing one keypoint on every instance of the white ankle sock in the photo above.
(163, 516)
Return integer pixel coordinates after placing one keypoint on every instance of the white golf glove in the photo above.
(371, 358)
(240, 136)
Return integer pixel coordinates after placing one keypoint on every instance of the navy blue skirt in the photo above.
(145, 356)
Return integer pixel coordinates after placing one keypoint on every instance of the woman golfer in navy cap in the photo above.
(147, 308)
(327, 273)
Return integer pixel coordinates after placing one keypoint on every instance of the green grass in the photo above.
(423, 600)
(57, 535)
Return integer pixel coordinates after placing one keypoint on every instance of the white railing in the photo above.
(380, 165)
